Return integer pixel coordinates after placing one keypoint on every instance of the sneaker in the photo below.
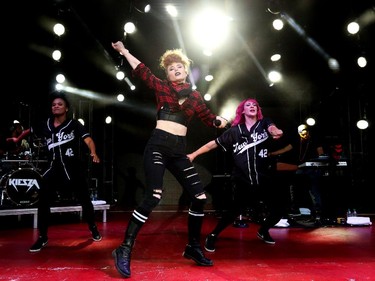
(196, 254)
(266, 237)
(39, 244)
(95, 233)
(209, 245)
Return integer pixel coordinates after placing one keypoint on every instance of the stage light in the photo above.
(210, 28)
(362, 124)
(310, 121)
(353, 28)
(56, 55)
(120, 75)
(278, 24)
(59, 29)
(275, 57)
(274, 76)
(142, 6)
(209, 78)
(60, 78)
(361, 61)
(333, 64)
(120, 97)
(172, 11)
(108, 120)
(59, 87)
(129, 27)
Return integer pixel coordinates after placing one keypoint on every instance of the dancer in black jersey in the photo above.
(248, 141)
(63, 137)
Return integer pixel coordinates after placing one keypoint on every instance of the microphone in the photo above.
(217, 122)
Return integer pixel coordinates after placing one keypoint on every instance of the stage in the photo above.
(322, 253)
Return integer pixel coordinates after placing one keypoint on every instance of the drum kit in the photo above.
(21, 179)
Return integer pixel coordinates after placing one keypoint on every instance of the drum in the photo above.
(22, 186)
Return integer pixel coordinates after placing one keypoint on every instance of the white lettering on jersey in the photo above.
(257, 139)
(69, 152)
(61, 139)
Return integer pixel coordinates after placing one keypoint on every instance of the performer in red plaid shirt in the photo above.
(177, 103)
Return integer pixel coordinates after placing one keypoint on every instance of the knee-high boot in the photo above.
(122, 254)
(193, 250)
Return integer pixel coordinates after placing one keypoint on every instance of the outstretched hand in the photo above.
(277, 133)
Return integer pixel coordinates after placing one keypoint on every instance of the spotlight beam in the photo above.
(88, 94)
(310, 41)
(181, 43)
(251, 54)
(98, 44)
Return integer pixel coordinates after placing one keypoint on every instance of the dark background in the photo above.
(310, 87)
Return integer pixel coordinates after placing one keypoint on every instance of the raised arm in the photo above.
(24, 134)
(119, 47)
(203, 149)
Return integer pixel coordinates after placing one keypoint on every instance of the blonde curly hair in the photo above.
(175, 55)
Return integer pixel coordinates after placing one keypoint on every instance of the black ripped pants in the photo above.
(167, 151)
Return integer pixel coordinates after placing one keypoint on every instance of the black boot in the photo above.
(196, 254)
(122, 257)
(193, 250)
(122, 254)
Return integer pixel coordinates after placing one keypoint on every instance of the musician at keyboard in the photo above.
(310, 147)
(306, 146)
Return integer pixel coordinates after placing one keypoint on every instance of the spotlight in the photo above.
(59, 29)
(142, 6)
(120, 75)
(129, 27)
(362, 124)
(310, 121)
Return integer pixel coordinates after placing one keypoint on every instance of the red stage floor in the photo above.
(301, 254)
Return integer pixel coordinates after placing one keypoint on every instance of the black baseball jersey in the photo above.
(249, 149)
(63, 142)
